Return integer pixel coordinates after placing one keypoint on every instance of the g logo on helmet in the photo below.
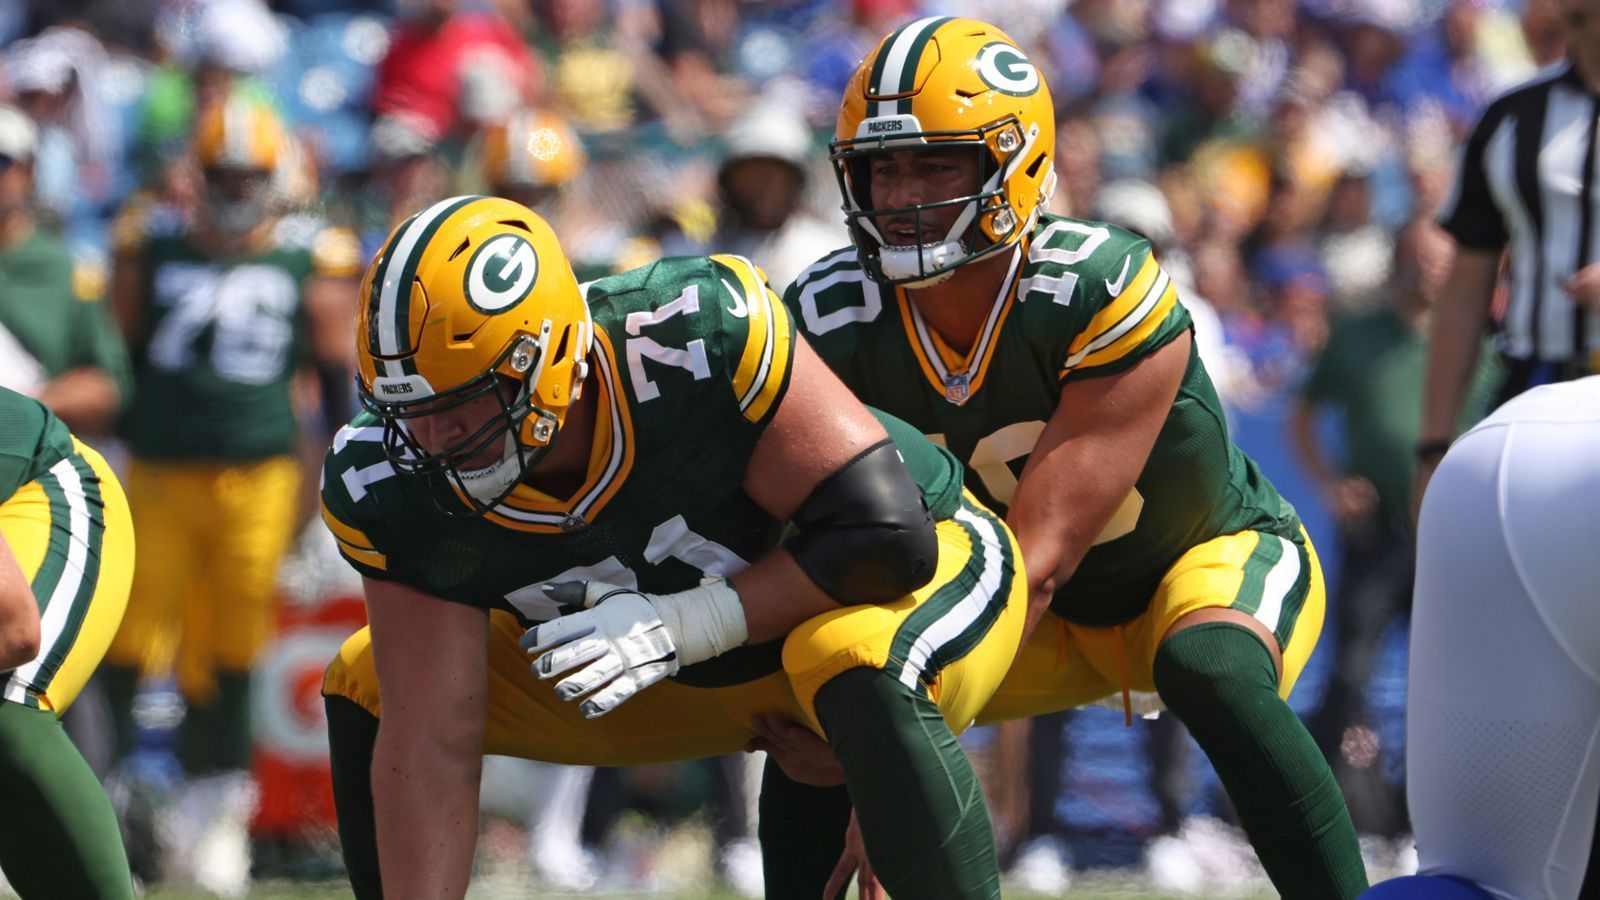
(1004, 68)
(500, 274)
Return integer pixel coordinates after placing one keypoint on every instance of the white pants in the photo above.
(1503, 715)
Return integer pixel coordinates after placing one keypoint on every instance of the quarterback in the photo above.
(614, 465)
(66, 559)
(1051, 355)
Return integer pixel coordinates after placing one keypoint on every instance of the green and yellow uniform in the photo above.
(691, 360)
(1201, 527)
(214, 483)
(65, 519)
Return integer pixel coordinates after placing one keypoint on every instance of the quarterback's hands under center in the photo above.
(608, 652)
(796, 749)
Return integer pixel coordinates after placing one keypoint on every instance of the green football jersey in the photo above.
(691, 359)
(32, 440)
(1082, 299)
(219, 342)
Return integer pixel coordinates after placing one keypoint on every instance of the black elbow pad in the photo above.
(865, 533)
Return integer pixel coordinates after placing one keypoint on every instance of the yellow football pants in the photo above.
(1278, 581)
(211, 536)
(954, 640)
(72, 535)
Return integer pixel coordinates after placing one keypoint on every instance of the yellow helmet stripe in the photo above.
(896, 68)
(393, 284)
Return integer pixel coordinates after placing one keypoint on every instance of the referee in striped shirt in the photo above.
(1527, 185)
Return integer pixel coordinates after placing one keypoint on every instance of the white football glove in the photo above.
(626, 640)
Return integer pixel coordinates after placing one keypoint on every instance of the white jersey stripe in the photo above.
(58, 609)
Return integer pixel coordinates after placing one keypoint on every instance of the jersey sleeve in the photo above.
(757, 337)
(1096, 299)
(1470, 215)
(347, 510)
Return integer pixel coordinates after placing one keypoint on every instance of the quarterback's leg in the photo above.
(1215, 668)
(1503, 711)
(891, 685)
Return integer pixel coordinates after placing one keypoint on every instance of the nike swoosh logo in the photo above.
(1115, 287)
(739, 309)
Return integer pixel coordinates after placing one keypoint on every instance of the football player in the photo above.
(1503, 702)
(1051, 355)
(530, 157)
(614, 465)
(66, 559)
(220, 318)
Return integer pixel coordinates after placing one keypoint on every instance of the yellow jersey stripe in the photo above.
(1119, 308)
(366, 557)
(346, 534)
(782, 353)
(1137, 335)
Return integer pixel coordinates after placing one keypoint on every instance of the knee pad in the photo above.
(1425, 887)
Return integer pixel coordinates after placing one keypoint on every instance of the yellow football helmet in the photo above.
(532, 152)
(239, 133)
(240, 145)
(943, 80)
(472, 297)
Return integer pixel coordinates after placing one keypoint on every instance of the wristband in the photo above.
(704, 621)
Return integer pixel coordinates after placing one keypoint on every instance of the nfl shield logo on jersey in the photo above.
(956, 388)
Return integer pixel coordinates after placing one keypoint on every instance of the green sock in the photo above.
(58, 836)
(802, 834)
(921, 809)
(1220, 681)
(216, 735)
(352, 732)
(121, 684)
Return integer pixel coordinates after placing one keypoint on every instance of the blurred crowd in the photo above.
(1283, 155)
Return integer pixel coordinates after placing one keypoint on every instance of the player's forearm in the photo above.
(1454, 341)
(19, 613)
(777, 595)
(425, 803)
(1302, 432)
(85, 398)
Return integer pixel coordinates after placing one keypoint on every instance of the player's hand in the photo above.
(1584, 287)
(853, 861)
(609, 652)
(1352, 500)
(796, 749)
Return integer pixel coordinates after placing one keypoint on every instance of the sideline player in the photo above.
(1051, 355)
(1503, 702)
(648, 436)
(221, 316)
(66, 560)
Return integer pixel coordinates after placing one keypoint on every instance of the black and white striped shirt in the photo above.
(1528, 177)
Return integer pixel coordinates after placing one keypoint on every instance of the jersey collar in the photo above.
(959, 376)
(610, 461)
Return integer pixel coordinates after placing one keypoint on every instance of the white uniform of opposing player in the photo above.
(1503, 718)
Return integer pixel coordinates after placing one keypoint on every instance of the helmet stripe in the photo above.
(896, 71)
(394, 288)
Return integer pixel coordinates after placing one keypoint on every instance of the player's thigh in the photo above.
(171, 505)
(664, 723)
(74, 539)
(1276, 581)
(954, 639)
(257, 503)
(1502, 718)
